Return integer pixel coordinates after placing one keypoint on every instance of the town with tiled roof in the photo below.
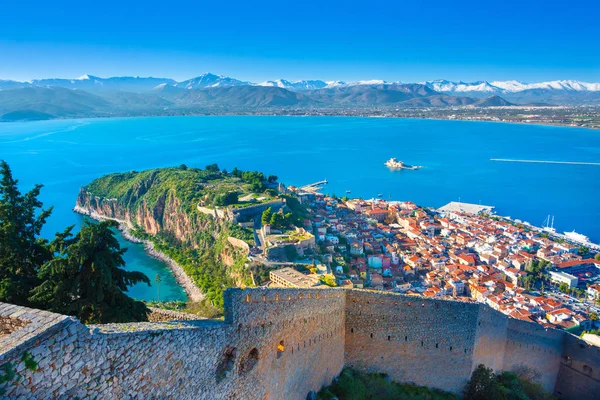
(468, 254)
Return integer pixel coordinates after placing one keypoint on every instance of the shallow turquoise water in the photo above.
(349, 152)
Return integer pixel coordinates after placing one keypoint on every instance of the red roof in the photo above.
(573, 263)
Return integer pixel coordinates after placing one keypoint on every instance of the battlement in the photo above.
(284, 343)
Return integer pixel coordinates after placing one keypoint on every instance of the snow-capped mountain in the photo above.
(445, 86)
(510, 86)
(295, 85)
(371, 82)
(207, 80)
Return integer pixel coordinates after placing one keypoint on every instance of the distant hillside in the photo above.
(37, 102)
(25, 115)
(243, 96)
(492, 101)
(56, 101)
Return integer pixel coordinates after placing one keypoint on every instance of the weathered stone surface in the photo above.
(283, 344)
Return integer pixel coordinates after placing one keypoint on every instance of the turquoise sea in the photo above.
(349, 152)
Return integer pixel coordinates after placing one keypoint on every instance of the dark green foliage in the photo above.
(352, 385)
(183, 167)
(29, 361)
(483, 385)
(518, 385)
(266, 216)
(72, 275)
(226, 199)
(22, 251)
(272, 178)
(7, 374)
(290, 252)
(255, 179)
(212, 168)
(85, 279)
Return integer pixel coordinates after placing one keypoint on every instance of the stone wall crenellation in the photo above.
(284, 343)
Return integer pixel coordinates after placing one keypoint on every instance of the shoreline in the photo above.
(192, 291)
(550, 124)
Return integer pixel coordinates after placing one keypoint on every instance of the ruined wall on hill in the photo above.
(428, 342)
(275, 344)
(579, 373)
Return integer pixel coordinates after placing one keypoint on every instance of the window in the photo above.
(280, 349)
(249, 362)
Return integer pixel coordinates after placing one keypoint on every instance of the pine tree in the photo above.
(86, 278)
(22, 252)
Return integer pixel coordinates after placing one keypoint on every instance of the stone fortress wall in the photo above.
(282, 344)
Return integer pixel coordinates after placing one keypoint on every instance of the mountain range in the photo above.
(89, 95)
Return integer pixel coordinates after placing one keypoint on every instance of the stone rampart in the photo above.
(427, 342)
(251, 211)
(273, 344)
(282, 344)
(579, 373)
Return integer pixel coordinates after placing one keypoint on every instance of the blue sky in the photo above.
(528, 40)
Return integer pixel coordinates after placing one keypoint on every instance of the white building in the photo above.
(562, 277)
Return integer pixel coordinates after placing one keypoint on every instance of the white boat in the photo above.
(577, 237)
(548, 226)
(396, 164)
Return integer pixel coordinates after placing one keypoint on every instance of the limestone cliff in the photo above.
(160, 206)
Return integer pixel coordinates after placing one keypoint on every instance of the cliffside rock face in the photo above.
(160, 206)
(165, 216)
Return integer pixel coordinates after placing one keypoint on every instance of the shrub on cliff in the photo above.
(521, 384)
(352, 385)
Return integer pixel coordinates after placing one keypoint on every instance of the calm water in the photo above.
(349, 152)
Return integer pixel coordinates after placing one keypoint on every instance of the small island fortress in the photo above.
(283, 344)
(392, 163)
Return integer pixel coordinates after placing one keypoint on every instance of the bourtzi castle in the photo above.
(282, 344)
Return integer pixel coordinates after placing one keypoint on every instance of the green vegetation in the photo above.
(537, 273)
(85, 278)
(7, 374)
(201, 248)
(78, 275)
(328, 280)
(352, 385)
(201, 258)
(518, 385)
(29, 361)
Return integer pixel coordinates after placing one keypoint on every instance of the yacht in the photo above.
(548, 225)
(577, 237)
